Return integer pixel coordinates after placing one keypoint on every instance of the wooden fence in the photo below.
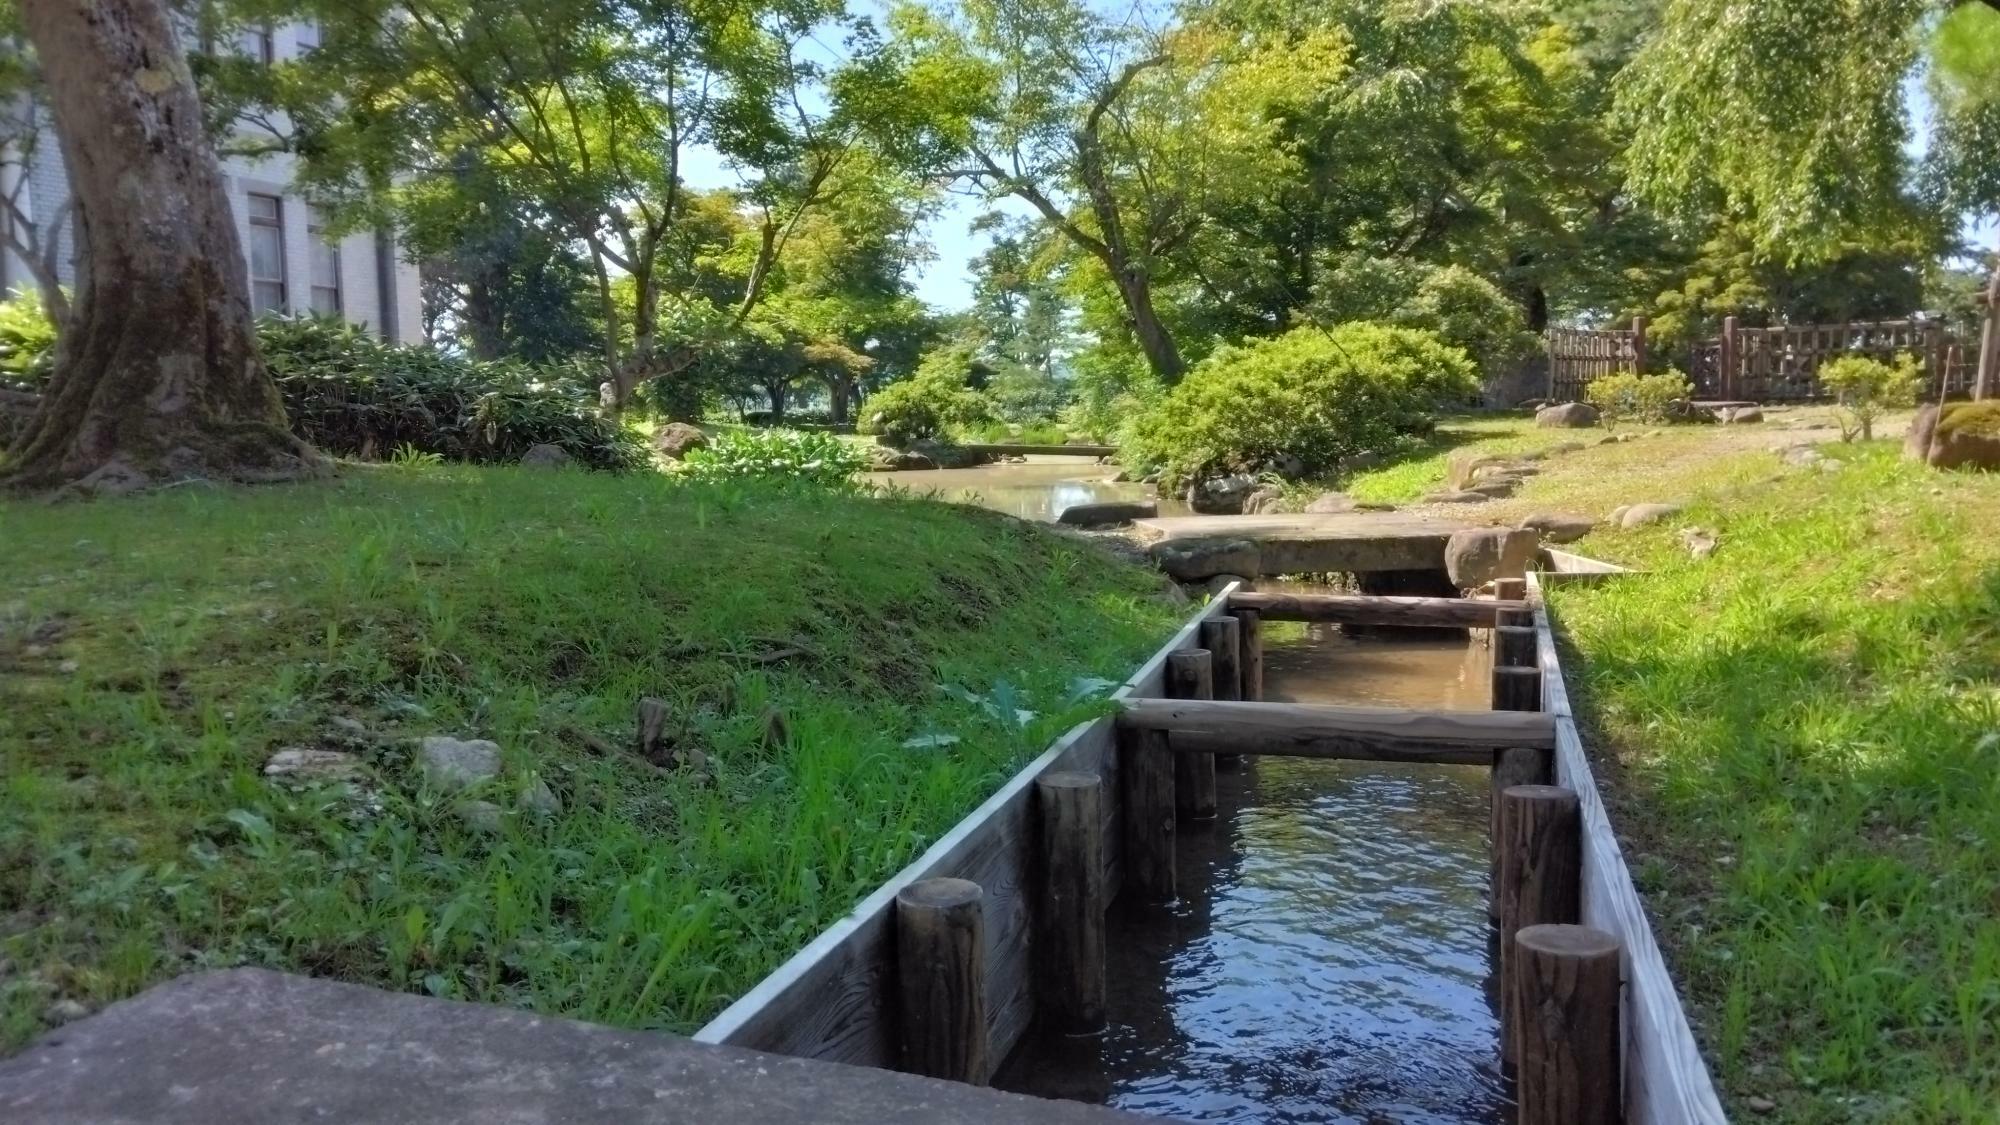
(1578, 356)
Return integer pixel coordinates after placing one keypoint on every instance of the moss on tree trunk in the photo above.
(158, 378)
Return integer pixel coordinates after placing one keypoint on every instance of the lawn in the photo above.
(155, 652)
(1801, 736)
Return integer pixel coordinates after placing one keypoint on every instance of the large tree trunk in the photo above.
(1154, 339)
(1986, 378)
(158, 377)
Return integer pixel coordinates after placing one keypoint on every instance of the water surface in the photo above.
(1037, 490)
(1329, 957)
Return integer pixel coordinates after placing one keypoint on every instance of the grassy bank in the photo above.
(1800, 736)
(155, 652)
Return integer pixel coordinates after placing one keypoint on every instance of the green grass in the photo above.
(1805, 732)
(155, 651)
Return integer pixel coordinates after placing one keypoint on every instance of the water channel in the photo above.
(1037, 490)
(1328, 959)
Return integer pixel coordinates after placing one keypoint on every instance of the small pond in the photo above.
(1037, 490)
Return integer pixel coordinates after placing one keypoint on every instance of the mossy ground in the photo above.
(155, 651)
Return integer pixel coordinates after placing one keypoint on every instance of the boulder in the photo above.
(1567, 416)
(483, 816)
(1364, 460)
(1496, 487)
(1465, 466)
(1220, 582)
(1917, 441)
(676, 440)
(303, 766)
(545, 456)
(1639, 515)
(1330, 503)
(1221, 496)
(1455, 496)
(1800, 456)
(539, 799)
(1108, 513)
(1559, 527)
(1739, 415)
(944, 456)
(1192, 560)
(1264, 499)
(1476, 556)
(1966, 436)
(1286, 465)
(452, 764)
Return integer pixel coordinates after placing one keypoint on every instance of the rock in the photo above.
(64, 1011)
(1686, 412)
(1476, 556)
(482, 816)
(1221, 496)
(1286, 465)
(1966, 436)
(676, 440)
(1760, 1105)
(350, 729)
(539, 799)
(1465, 465)
(1559, 527)
(1264, 499)
(1568, 416)
(1917, 439)
(1122, 476)
(1496, 487)
(1607, 439)
(1152, 477)
(453, 764)
(1330, 503)
(1362, 461)
(1191, 560)
(1220, 582)
(943, 456)
(1739, 415)
(1108, 513)
(1562, 447)
(1800, 456)
(1455, 496)
(1532, 404)
(1617, 516)
(545, 456)
(295, 765)
(1700, 542)
(1639, 515)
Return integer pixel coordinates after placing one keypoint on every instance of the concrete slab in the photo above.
(1301, 543)
(251, 1045)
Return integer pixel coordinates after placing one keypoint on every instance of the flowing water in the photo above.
(1037, 490)
(1328, 959)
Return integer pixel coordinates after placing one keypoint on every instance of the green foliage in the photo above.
(1865, 387)
(814, 457)
(1642, 399)
(1314, 396)
(352, 394)
(140, 840)
(27, 341)
(930, 402)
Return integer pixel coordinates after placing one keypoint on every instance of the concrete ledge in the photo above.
(252, 1045)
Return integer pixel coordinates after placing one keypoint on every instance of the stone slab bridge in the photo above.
(1389, 552)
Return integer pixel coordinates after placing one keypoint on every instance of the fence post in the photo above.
(1146, 790)
(941, 979)
(1069, 925)
(1250, 630)
(1639, 345)
(1567, 1056)
(1726, 359)
(1191, 675)
(1222, 636)
(1540, 848)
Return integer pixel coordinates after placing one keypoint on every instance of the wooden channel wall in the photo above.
(1666, 1081)
(832, 1000)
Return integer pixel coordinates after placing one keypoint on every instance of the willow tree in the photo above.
(1797, 122)
(157, 377)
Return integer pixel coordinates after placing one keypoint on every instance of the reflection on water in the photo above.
(1037, 490)
(1328, 959)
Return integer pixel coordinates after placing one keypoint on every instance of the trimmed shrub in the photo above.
(27, 342)
(921, 409)
(1863, 388)
(1629, 397)
(1311, 396)
(812, 458)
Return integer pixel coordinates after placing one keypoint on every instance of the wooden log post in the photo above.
(1727, 358)
(1375, 609)
(1566, 1045)
(1518, 765)
(1514, 646)
(1639, 356)
(1191, 675)
(1517, 689)
(1250, 630)
(1068, 949)
(1325, 730)
(1541, 874)
(1512, 590)
(1223, 638)
(1146, 813)
(941, 979)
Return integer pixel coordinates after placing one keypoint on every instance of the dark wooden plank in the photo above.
(1317, 730)
(1366, 609)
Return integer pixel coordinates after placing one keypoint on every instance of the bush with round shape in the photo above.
(1630, 397)
(805, 457)
(1310, 398)
(921, 409)
(1863, 388)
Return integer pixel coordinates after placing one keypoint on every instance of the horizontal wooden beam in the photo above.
(1362, 609)
(1004, 449)
(1314, 730)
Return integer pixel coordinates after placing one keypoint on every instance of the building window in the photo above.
(267, 253)
(308, 35)
(258, 44)
(325, 265)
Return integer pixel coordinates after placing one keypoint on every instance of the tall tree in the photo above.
(158, 376)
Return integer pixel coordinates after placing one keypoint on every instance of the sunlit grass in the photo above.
(154, 652)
